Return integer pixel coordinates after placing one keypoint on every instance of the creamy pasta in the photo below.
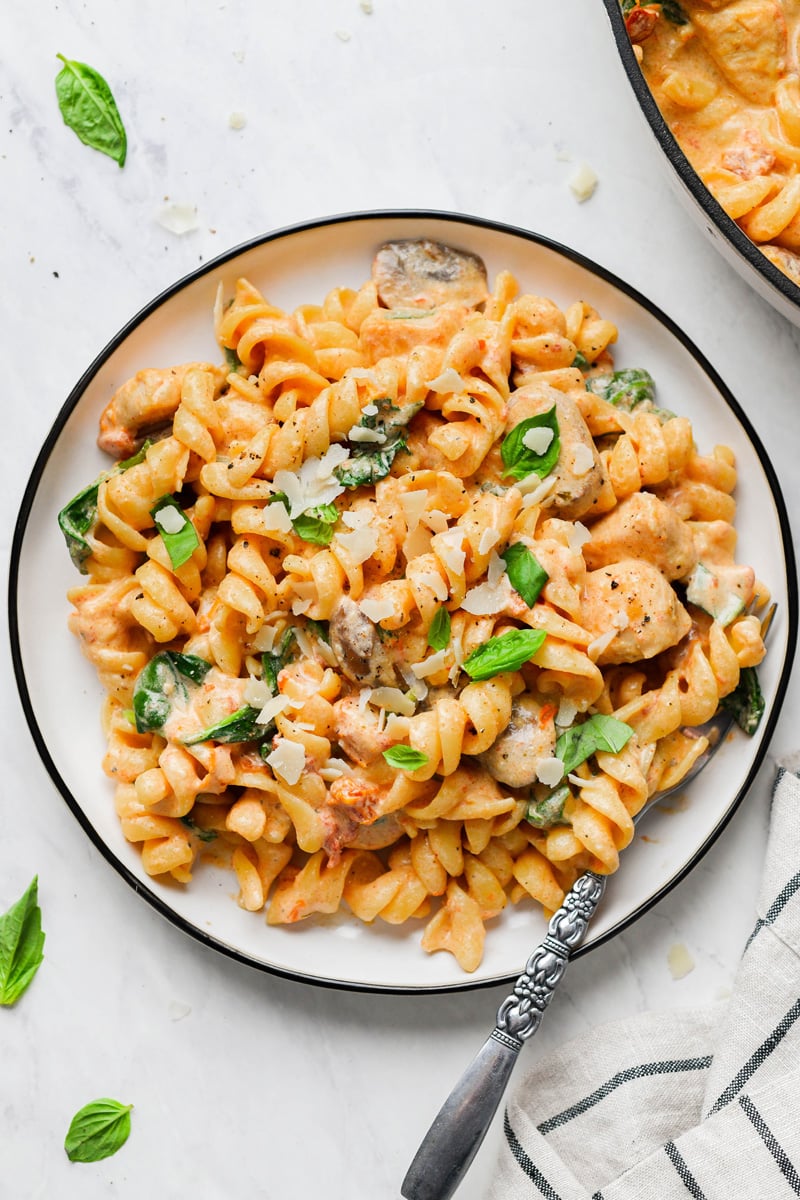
(408, 607)
(725, 75)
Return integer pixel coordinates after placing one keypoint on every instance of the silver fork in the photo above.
(454, 1138)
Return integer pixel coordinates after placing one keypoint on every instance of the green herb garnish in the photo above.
(180, 543)
(161, 684)
(746, 702)
(272, 663)
(406, 758)
(98, 1130)
(506, 652)
(317, 524)
(370, 462)
(525, 572)
(550, 810)
(77, 518)
(240, 726)
(629, 389)
(518, 460)
(89, 109)
(21, 944)
(597, 732)
(205, 835)
(673, 12)
(439, 632)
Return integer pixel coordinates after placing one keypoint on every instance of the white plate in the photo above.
(300, 265)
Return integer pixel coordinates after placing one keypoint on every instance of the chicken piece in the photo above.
(634, 598)
(144, 403)
(358, 733)
(642, 526)
(529, 736)
(747, 40)
(419, 273)
(579, 471)
(356, 643)
(385, 334)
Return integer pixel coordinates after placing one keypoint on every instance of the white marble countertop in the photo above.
(246, 1084)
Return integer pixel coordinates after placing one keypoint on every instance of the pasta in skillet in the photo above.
(725, 75)
(409, 607)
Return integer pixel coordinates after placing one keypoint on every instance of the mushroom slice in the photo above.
(419, 273)
(528, 738)
(357, 645)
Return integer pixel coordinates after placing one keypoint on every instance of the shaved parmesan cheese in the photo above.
(256, 693)
(437, 585)
(538, 439)
(448, 381)
(360, 544)
(496, 570)
(680, 961)
(417, 543)
(601, 643)
(430, 665)
(396, 727)
(287, 760)
(300, 606)
(363, 699)
(489, 539)
(567, 711)
(276, 517)
(582, 459)
(535, 490)
(583, 183)
(394, 700)
(486, 600)
(314, 484)
(326, 653)
(178, 218)
(620, 620)
(577, 537)
(377, 610)
(413, 506)
(356, 518)
(435, 520)
(169, 519)
(272, 707)
(362, 433)
(264, 639)
(417, 687)
(303, 642)
(586, 782)
(449, 549)
(550, 771)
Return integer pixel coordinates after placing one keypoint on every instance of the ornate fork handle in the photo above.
(456, 1134)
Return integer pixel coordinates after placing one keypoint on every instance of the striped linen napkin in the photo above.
(701, 1104)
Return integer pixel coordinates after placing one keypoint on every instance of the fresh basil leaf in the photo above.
(550, 810)
(89, 109)
(21, 944)
(273, 663)
(240, 726)
(518, 460)
(98, 1130)
(597, 732)
(160, 683)
(78, 517)
(627, 5)
(506, 652)
(439, 632)
(673, 12)
(581, 361)
(205, 835)
(232, 360)
(317, 524)
(746, 702)
(525, 572)
(320, 629)
(181, 543)
(406, 758)
(370, 462)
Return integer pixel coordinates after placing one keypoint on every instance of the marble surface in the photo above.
(245, 1084)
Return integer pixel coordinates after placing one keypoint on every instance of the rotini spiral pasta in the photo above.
(411, 607)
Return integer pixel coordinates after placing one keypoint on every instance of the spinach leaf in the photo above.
(177, 531)
(673, 12)
(597, 732)
(746, 702)
(506, 652)
(205, 835)
(627, 5)
(317, 524)
(526, 573)
(629, 389)
(439, 632)
(519, 460)
(89, 109)
(21, 944)
(273, 663)
(405, 757)
(232, 360)
(78, 517)
(550, 810)
(240, 726)
(319, 628)
(581, 361)
(160, 683)
(371, 461)
(98, 1130)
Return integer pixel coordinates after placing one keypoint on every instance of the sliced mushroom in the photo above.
(357, 645)
(419, 273)
(529, 736)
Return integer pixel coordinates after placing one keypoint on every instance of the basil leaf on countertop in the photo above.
(526, 574)
(89, 109)
(506, 652)
(21, 944)
(597, 732)
(518, 459)
(98, 1130)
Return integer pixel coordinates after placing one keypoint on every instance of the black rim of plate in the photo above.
(152, 897)
(686, 173)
